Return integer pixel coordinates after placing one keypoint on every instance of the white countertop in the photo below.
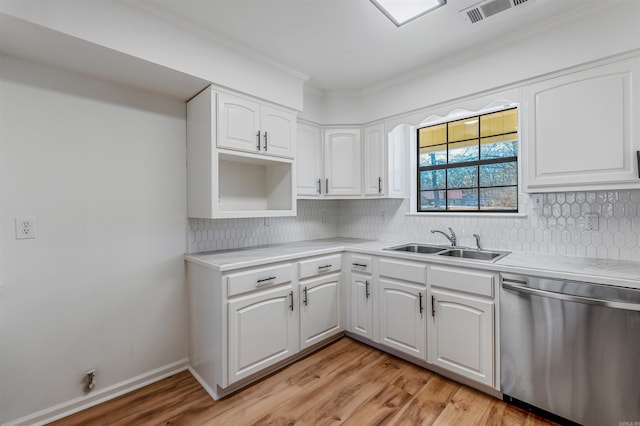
(602, 271)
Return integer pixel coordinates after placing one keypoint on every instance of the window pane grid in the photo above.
(464, 166)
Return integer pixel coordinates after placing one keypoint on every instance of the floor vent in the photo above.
(483, 10)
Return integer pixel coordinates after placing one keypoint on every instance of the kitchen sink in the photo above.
(418, 248)
(487, 255)
(454, 252)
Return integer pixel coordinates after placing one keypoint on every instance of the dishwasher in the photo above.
(570, 351)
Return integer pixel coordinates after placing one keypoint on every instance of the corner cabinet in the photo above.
(352, 162)
(240, 157)
(342, 162)
(581, 129)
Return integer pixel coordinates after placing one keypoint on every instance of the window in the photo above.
(469, 165)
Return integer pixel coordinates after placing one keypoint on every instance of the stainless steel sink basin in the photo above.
(418, 248)
(487, 255)
(454, 252)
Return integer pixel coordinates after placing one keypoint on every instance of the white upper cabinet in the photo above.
(398, 146)
(247, 125)
(228, 176)
(374, 161)
(582, 134)
(309, 160)
(342, 162)
(278, 131)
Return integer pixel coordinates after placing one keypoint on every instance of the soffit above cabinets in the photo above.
(349, 45)
(24, 40)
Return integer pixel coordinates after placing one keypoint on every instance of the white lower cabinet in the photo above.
(462, 322)
(319, 309)
(263, 330)
(402, 289)
(361, 305)
(402, 317)
(246, 322)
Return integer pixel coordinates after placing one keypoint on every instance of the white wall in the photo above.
(554, 45)
(124, 28)
(103, 170)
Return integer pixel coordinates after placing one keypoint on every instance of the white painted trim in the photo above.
(212, 393)
(67, 408)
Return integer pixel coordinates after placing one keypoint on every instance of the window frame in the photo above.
(458, 115)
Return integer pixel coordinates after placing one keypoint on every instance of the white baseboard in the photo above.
(78, 404)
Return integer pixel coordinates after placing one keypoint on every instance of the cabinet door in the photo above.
(461, 335)
(309, 161)
(403, 324)
(581, 130)
(278, 131)
(361, 306)
(319, 309)
(374, 161)
(400, 139)
(262, 331)
(239, 123)
(342, 162)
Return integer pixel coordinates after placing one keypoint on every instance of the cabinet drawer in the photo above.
(404, 270)
(320, 265)
(255, 279)
(468, 280)
(361, 263)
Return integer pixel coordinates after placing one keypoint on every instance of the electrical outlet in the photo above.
(267, 221)
(591, 222)
(537, 201)
(25, 227)
(383, 216)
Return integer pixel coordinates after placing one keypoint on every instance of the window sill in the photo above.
(462, 214)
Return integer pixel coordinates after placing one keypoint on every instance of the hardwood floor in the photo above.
(344, 383)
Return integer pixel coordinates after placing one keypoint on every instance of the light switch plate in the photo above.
(25, 227)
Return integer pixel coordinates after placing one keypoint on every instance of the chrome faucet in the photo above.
(478, 245)
(452, 239)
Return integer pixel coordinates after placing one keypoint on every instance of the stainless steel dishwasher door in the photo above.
(571, 348)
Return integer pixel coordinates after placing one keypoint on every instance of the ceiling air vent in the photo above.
(483, 10)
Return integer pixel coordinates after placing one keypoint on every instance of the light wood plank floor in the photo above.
(344, 383)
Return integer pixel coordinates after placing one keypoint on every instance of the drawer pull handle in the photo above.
(265, 280)
(433, 306)
(379, 185)
(366, 289)
(324, 266)
(304, 299)
(319, 186)
(265, 140)
(291, 299)
(638, 159)
(360, 265)
(420, 299)
(258, 138)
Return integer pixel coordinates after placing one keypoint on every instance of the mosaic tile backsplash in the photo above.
(557, 227)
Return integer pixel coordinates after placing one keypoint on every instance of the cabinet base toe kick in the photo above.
(218, 392)
(431, 367)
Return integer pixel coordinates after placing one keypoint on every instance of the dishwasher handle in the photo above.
(506, 284)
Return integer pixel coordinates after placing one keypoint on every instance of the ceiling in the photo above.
(349, 45)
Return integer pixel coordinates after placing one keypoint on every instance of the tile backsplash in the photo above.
(558, 227)
(316, 219)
